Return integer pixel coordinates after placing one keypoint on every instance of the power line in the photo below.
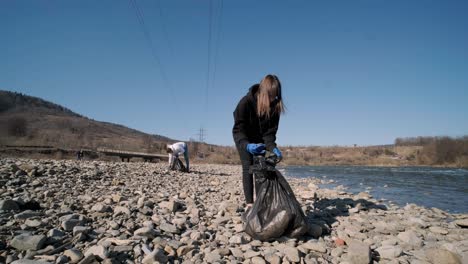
(218, 36)
(210, 22)
(164, 28)
(156, 59)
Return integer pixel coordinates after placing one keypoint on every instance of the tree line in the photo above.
(438, 150)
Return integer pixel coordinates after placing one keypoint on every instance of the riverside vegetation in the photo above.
(66, 211)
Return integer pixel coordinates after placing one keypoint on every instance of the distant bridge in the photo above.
(127, 155)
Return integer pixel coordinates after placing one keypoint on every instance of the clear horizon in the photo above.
(361, 72)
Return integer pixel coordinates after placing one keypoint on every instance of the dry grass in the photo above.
(30, 121)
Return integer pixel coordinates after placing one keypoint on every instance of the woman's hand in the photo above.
(278, 153)
(256, 149)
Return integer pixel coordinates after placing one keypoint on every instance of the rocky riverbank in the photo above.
(104, 212)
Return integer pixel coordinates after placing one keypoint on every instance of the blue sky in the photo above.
(353, 72)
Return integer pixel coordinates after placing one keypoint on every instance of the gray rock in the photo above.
(236, 239)
(436, 255)
(196, 235)
(337, 252)
(416, 221)
(29, 261)
(114, 225)
(66, 215)
(8, 205)
(85, 197)
(389, 252)
(62, 260)
(229, 207)
(438, 230)
(146, 232)
(33, 223)
(101, 208)
(81, 230)
(292, 254)
(90, 259)
(169, 228)
(256, 243)
(120, 249)
(55, 233)
(257, 260)
(224, 251)
(195, 213)
(118, 210)
(98, 251)
(174, 243)
(236, 252)
(462, 222)
(390, 242)
(315, 246)
(170, 251)
(250, 254)
(10, 258)
(25, 242)
(358, 252)
(155, 255)
(222, 238)
(181, 251)
(222, 220)
(212, 257)
(273, 259)
(69, 224)
(141, 202)
(172, 206)
(179, 222)
(27, 214)
(411, 238)
(74, 255)
(239, 228)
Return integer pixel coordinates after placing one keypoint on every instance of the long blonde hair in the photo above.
(269, 98)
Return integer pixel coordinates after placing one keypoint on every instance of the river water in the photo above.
(446, 189)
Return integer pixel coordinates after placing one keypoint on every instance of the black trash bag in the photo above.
(178, 165)
(276, 212)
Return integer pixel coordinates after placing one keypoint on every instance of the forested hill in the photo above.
(27, 120)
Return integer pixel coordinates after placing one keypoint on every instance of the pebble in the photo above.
(98, 251)
(135, 212)
(25, 242)
(73, 254)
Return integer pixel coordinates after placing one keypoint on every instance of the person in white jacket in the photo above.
(175, 150)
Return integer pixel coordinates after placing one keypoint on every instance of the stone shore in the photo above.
(65, 211)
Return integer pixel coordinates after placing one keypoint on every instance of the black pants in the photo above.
(247, 178)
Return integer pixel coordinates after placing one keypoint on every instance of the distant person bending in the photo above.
(175, 150)
(256, 120)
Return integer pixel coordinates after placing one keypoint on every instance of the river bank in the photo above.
(64, 211)
(443, 188)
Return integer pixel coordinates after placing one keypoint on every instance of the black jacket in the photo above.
(249, 128)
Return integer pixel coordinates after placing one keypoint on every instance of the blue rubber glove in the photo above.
(278, 153)
(256, 149)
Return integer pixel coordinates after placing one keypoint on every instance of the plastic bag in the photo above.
(275, 212)
(178, 165)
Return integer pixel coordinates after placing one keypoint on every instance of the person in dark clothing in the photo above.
(256, 120)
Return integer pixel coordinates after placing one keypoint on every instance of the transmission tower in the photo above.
(201, 139)
(201, 135)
